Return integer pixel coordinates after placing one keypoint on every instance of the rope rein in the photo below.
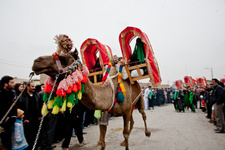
(42, 119)
(112, 85)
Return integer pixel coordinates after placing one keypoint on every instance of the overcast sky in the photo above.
(187, 36)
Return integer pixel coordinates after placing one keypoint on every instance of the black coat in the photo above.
(24, 103)
(218, 95)
(6, 100)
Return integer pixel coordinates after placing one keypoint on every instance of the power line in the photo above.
(11, 64)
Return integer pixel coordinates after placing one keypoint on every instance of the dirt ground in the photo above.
(170, 130)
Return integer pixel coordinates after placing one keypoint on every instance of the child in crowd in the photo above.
(202, 103)
(18, 139)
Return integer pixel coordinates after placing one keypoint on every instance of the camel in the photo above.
(95, 96)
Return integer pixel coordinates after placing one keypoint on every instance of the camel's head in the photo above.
(47, 64)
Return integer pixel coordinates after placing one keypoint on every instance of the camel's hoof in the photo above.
(148, 133)
(123, 143)
(100, 147)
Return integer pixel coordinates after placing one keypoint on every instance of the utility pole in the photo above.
(211, 71)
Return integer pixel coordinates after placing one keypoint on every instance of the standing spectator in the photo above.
(217, 99)
(146, 93)
(169, 99)
(29, 103)
(208, 101)
(7, 97)
(18, 139)
(74, 120)
(158, 100)
(202, 102)
(154, 97)
(150, 99)
(161, 97)
(18, 88)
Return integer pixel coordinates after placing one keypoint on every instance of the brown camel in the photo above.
(100, 97)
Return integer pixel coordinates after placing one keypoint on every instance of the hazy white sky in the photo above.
(187, 36)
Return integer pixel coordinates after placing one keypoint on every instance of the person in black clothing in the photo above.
(48, 127)
(7, 97)
(74, 120)
(180, 101)
(18, 88)
(208, 101)
(30, 104)
(218, 100)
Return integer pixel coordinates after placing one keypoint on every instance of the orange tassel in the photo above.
(69, 90)
(74, 88)
(84, 79)
(78, 85)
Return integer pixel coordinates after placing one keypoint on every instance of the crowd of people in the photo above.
(22, 123)
(209, 99)
(156, 97)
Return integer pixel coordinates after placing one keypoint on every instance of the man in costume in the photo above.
(179, 100)
(189, 98)
(7, 97)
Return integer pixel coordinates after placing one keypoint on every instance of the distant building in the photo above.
(24, 81)
(164, 86)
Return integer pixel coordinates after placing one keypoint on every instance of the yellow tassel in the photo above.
(97, 114)
(63, 106)
(123, 90)
(69, 105)
(79, 95)
(50, 103)
(55, 110)
(44, 109)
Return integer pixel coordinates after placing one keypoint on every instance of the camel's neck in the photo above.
(97, 97)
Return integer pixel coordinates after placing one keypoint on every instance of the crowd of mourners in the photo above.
(156, 96)
(210, 99)
(20, 127)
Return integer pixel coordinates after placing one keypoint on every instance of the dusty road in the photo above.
(170, 131)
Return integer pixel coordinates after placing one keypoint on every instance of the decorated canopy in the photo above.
(203, 81)
(223, 80)
(89, 50)
(188, 80)
(125, 38)
(178, 83)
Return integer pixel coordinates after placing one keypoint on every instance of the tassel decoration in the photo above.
(97, 114)
(85, 70)
(44, 109)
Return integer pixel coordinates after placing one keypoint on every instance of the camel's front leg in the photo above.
(126, 120)
(101, 142)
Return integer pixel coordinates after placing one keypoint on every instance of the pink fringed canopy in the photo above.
(89, 49)
(188, 80)
(203, 81)
(223, 80)
(178, 83)
(125, 38)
